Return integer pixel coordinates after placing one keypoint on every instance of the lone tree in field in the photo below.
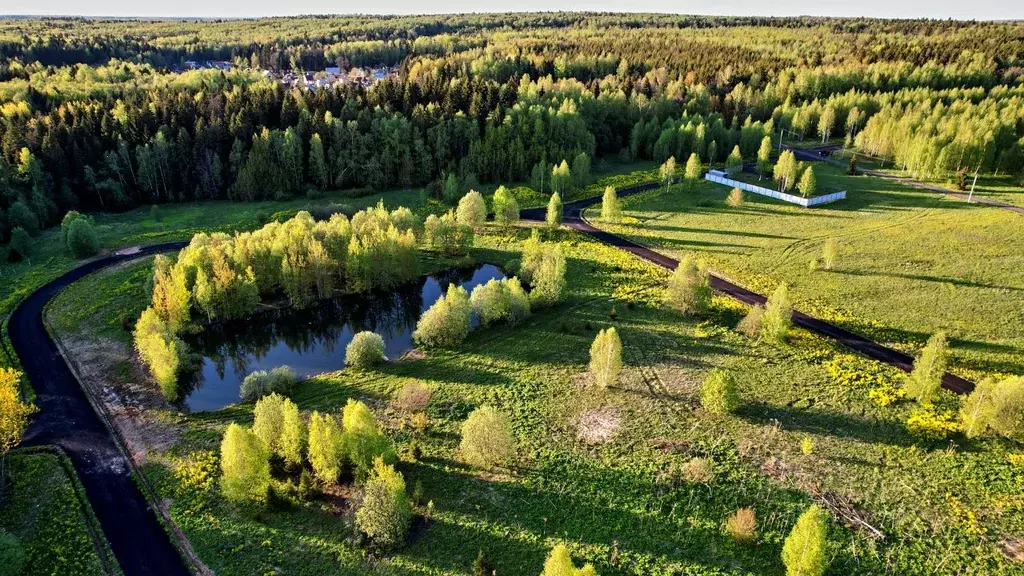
(487, 439)
(829, 253)
(559, 563)
(764, 157)
(325, 447)
(668, 172)
(804, 550)
(245, 470)
(384, 513)
(506, 209)
(365, 350)
(808, 183)
(611, 209)
(689, 288)
(554, 215)
(926, 378)
(718, 393)
(606, 358)
(735, 159)
(472, 210)
(997, 407)
(778, 316)
(693, 169)
(735, 199)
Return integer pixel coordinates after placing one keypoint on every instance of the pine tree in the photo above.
(606, 358)
(804, 550)
(926, 378)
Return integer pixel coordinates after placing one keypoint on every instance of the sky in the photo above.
(959, 9)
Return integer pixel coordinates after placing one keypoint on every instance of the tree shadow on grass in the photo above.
(925, 278)
(827, 423)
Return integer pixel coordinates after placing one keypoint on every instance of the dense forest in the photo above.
(103, 114)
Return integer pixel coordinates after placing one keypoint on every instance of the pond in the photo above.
(312, 340)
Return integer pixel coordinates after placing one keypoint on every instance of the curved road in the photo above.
(67, 419)
(574, 219)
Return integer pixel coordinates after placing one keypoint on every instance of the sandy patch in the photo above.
(598, 426)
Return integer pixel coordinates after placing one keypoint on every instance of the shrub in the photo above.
(506, 209)
(365, 349)
(19, 215)
(82, 240)
(487, 439)
(804, 550)
(446, 323)
(160, 350)
(472, 210)
(778, 316)
(446, 235)
(718, 393)
(807, 446)
(12, 554)
(14, 413)
(500, 300)
(384, 513)
(482, 566)
(559, 563)
(261, 383)
(735, 198)
(413, 397)
(20, 245)
(245, 470)
(65, 224)
(611, 208)
(689, 288)
(998, 407)
(742, 526)
(697, 471)
(154, 213)
(926, 378)
(606, 358)
(325, 447)
(750, 326)
(363, 439)
(931, 424)
(554, 214)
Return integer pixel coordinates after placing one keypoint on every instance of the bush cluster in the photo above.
(500, 301)
(446, 323)
(261, 383)
(365, 350)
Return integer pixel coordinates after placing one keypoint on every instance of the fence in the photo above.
(720, 177)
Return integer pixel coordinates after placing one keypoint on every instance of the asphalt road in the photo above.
(574, 219)
(67, 419)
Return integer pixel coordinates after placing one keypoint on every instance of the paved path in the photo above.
(574, 219)
(67, 419)
(823, 154)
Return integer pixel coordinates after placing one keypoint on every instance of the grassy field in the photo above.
(910, 262)
(44, 511)
(603, 470)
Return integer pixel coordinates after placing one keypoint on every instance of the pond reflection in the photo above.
(313, 340)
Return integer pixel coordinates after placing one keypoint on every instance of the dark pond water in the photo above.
(313, 340)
